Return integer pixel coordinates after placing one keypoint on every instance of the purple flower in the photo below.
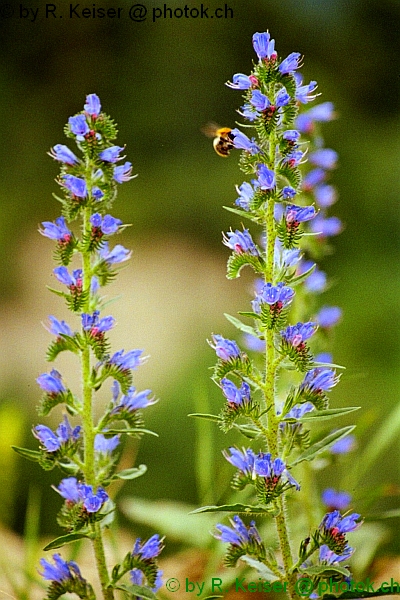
(117, 255)
(293, 159)
(299, 410)
(282, 98)
(63, 154)
(51, 383)
(97, 193)
(326, 158)
(283, 257)
(263, 46)
(75, 185)
(273, 294)
(335, 521)
(329, 316)
(319, 380)
(132, 401)
(95, 325)
(149, 549)
(329, 557)
(92, 106)
(344, 445)
(239, 534)
(111, 154)
(240, 82)
(291, 135)
(63, 276)
(78, 126)
(75, 492)
(123, 173)
(47, 438)
(298, 334)
(290, 63)
(299, 214)
(325, 195)
(240, 242)
(259, 100)
(249, 112)
(273, 470)
(225, 349)
(131, 360)
(303, 92)
(336, 500)
(234, 395)
(56, 231)
(246, 194)
(242, 460)
(326, 227)
(242, 142)
(266, 177)
(105, 445)
(59, 328)
(61, 570)
(65, 432)
(69, 489)
(107, 224)
(288, 192)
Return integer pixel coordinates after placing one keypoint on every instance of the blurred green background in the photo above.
(162, 82)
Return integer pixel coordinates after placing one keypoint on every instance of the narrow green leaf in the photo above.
(249, 431)
(33, 455)
(326, 570)
(239, 325)
(323, 444)
(241, 213)
(236, 508)
(262, 569)
(65, 539)
(131, 473)
(132, 431)
(323, 415)
(302, 277)
(214, 418)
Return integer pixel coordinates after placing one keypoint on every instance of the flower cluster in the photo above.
(88, 452)
(275, 399)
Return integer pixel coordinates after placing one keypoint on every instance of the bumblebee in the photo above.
(223, 138)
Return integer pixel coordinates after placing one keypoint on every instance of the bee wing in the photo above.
(210, 129)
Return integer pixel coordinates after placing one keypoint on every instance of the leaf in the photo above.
(242, 213)
(326, 570)
(136, 590)
(207, 417)
(323, 444)
(239, 325)
(323, 415)
(131, 473)
(236, 262)
(66, 539)
(33, 455)
(262, 569)
(249, 431)
(132, 431)
(302, 277)
(236, 508)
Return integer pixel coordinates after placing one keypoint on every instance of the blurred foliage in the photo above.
(162, 82)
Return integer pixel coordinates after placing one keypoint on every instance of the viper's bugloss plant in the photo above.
(280, 387)
(87, 453)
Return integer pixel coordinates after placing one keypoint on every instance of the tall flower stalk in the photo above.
(88, 453)
(280, 388)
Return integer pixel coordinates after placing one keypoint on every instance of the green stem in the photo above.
(88, 425)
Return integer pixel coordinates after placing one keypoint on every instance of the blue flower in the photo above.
(92, 106)
(298, 334)
(326, 227)
(72, 281)
(263, 46)
(291, 135)
(97, 193)
(266, 177)
(137, 577)
(326, 158)
(325, 195)
(132, 401)
(131, 360)
(273, 295)
(123, 173)
(329, 557)
(240, 82)
(299, 410)
(246, 194)
(148, 550)
(336, 500)
(117, 255)
(65, 432)
(111, 154)
(239, 534)
(225, 349)
(95, 325)
(303, 92)
(259, 100)
(105, 445)
(69, 489)
(299, 214)
(344, 445)
(59, 328)
(283, 257)
(51, 383)
(75, 185)
(78, 126)
(249, 112)
(273, 471)
(328, 316)
(319, 380)
(74, 491)
(335, 522)
(107, 224)
(282, 98)
(234, 395)
(56, 231)
(53, 441)
(63, 154)
(293, 159)
(240, 242)
(61, 570)
(242, 460)
(313, 178)
(242, 142)
(290, 63)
